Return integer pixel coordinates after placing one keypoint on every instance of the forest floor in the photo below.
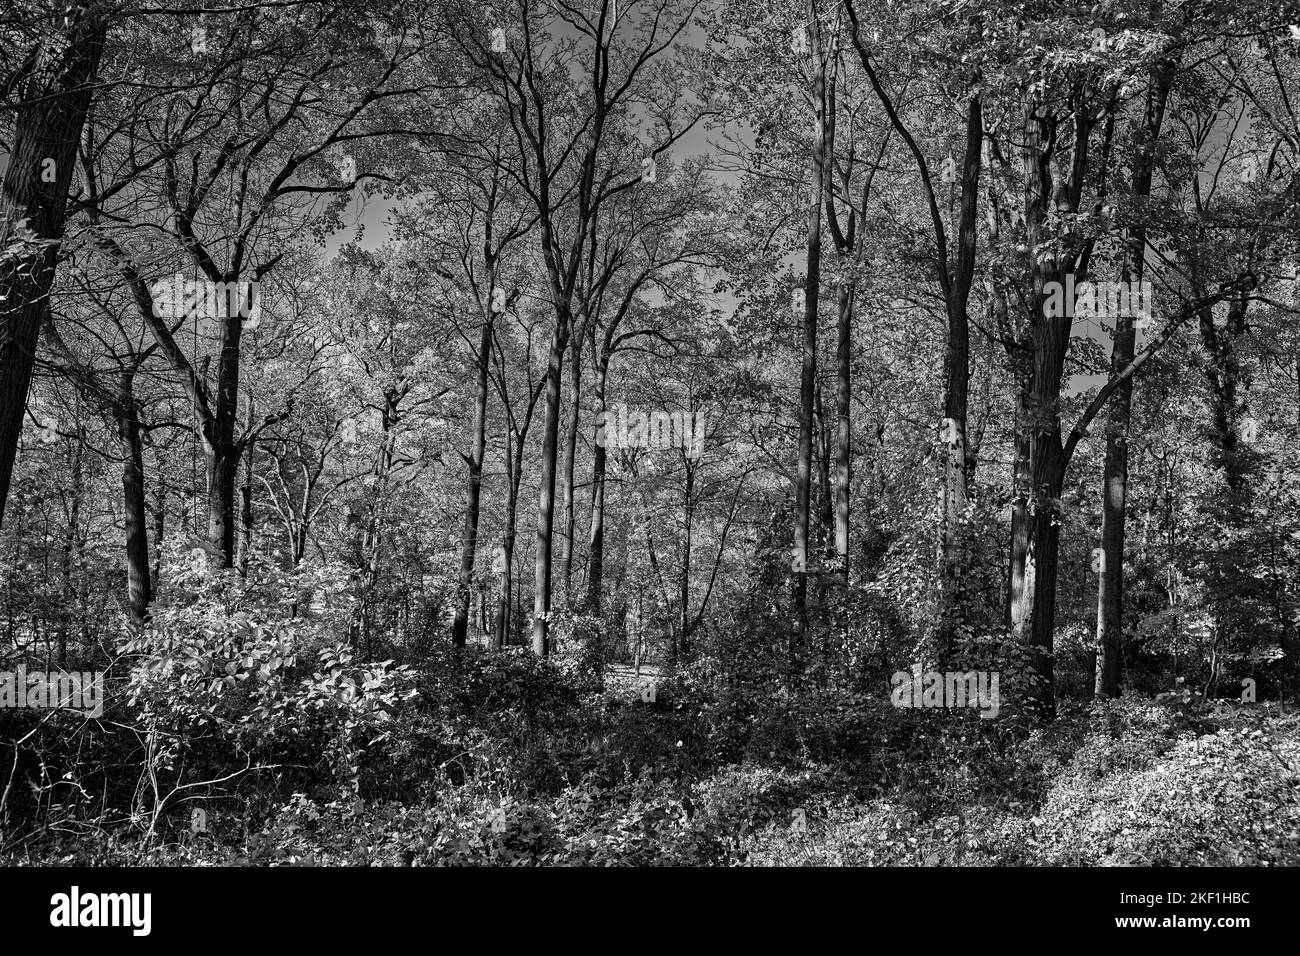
(537, 774)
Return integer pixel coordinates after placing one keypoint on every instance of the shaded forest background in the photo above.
(535, 432)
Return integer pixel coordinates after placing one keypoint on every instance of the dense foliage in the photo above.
(553, 432)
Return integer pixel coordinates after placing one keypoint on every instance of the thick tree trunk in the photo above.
(1049, 339)
(1224, 375)
(223, 451)
(1036, 527)
(1047, 474)
(222, 469)
(42, 157)
(546, 492)
(473, 486)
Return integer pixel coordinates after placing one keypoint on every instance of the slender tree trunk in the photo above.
(246, 512)
(653, 554)
(1110, 581)
(223, 449)
(825, 496)
(76, 491)
(373, 535)
(596, 558)
(138, 584)
(956, 492)
(1019, 590)
(808, 372)
(546, 492)
(159, 530)
(843, 434)
(48, 122)
(684, 578)
(570, 454)
(501, 626)
(1110, 567)
(473, 486)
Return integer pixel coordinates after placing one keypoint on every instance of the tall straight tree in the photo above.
(849, 245)
(568, 103)
(1110, 583)
(519, 414)
(824, 62)
(488, 222)
(956, 276)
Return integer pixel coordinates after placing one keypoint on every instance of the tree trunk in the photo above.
(501, 626)
(1019, 595)
(825, 496)
(808, 373)
(42, 158)
(138, 584)
(373, 533)
(843, 434)
(684, 578)
(76, 491)
(1110, 581)
(1049, 339)
(222, 468)
(956, 493)
(246, 512)
(223, 451)
(596, 557)
(570, 453)
(159, 530)
(1225, 376)
(474, 460)
(546, 492)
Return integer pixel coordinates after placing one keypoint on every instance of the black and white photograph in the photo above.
(694, 434)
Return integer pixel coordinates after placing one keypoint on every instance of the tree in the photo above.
(567, 133)
(49, 89)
